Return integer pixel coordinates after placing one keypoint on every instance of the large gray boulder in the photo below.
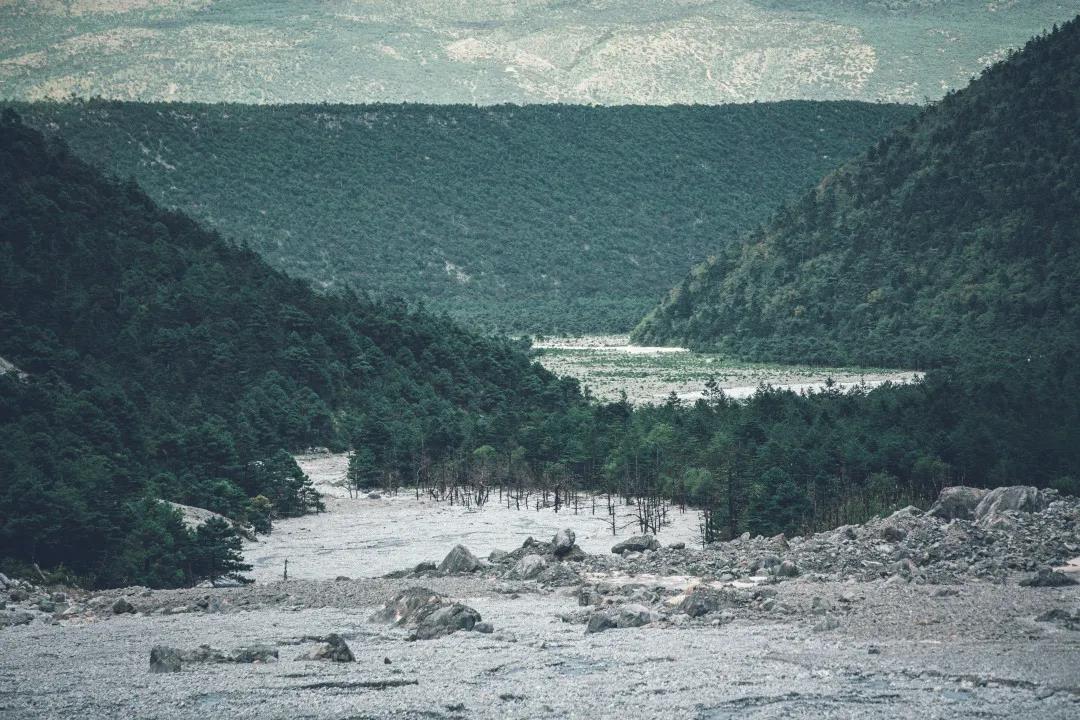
(164, 659)
(563, 542)
(1018, 498)
(633, 615)
(122, 606)
(459, 560)
(335, 649)
(702, 601)
(637, 543)
(409, 606)
(529, 567)
(957, 503)
(446, 621)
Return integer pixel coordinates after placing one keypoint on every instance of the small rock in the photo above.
(425, 566)
(335, 649)
(820, 605)
(374, 496)
(677, 546)
(484, 627)
(18, 617)
(498, 556)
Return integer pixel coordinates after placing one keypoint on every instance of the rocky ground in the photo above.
(953, 612)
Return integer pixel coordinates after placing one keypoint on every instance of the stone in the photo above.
(1018, 498)
(1046, 577)
(122, 606)
(633, 615)
(563, 542)
(637, 543)
(575, 554)
(599, 622)
(46, 606)
(957, 503)
(254, 654)
(335, 649)
(459, 560)
(18, 617)
(702, 601)
(498, 556)
(409, 606)
(787, 569)
(425, 566)
(529, 567)
(820, 605)
(893, 533)
(484, 627)
(19, 595)
(374, 496)
(677, 546)
(164, 659)
(446, 621)
(826, 624)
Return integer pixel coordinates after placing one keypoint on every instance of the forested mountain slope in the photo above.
(548, 218)
(161, 361)
(953, 237)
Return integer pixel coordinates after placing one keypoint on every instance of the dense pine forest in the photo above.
(160, 361)
(521, 219)
(952, 238)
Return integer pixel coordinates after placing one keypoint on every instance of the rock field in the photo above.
(969, 609)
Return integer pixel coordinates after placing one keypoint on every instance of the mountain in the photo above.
(150, 359)
(540, 219)
(953, 238)
(608, 52)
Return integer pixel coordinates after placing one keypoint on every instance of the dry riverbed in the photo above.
(608, 365)
(918, 615)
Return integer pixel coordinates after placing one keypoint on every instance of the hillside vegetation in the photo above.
(953, 238)
(540, 219)
(162, 362)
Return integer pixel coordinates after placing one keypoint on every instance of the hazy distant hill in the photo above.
(954, 237)
(537, 218)
(496, 51)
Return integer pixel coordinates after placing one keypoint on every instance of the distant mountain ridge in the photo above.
(488, 52)
(532, 219)
(954, 237)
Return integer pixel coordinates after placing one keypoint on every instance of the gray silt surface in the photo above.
(979, 654)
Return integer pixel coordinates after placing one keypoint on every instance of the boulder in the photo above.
(253, 654)
(484, 627)
(1018, 498)
(122, 606)
(374, 496)
(599, 622)
(1048, 578)
(702, 601)
(529, 567)
(575, 554)
(787, 569)
(335, 649)
(459, 560)
(637, 543)
(409, 606)
(19, 595)
(164, 659)
(826, 624)
(18, 617)
(820, 605)
(563, 542)
(446, 621)
(633, 615)
(498, 556)
(677, 546)
(957, 503)
(426, 566)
